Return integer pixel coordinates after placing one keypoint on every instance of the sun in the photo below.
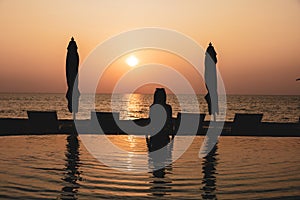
(132, 61)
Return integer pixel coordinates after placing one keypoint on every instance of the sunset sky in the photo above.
(258, 42)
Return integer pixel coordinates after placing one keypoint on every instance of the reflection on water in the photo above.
(209, 165)
(159, 179)
(57, 166)
(72, 172)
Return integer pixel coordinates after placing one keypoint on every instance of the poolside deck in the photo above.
(42, 123)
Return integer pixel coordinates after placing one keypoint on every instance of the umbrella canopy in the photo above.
(72, 63)
(210, 76)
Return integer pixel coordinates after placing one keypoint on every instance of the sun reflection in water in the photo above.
(137, 106)
(131, 141)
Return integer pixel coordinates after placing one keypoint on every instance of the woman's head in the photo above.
(160, 96)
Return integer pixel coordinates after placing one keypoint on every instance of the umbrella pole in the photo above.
(74, 116)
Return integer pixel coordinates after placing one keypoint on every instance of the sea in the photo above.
(62, 167)
(133, 106)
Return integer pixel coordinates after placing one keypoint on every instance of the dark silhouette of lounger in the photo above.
(191, 121)
(244, 124)
(107, 121)
(43, 121)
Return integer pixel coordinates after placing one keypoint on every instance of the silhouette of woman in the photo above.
(162, 138)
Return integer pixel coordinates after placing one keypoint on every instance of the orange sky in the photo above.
(258, 42)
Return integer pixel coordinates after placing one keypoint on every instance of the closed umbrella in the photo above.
(210, 76)
(72, 63)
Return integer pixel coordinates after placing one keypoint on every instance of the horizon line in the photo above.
(104, 93)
